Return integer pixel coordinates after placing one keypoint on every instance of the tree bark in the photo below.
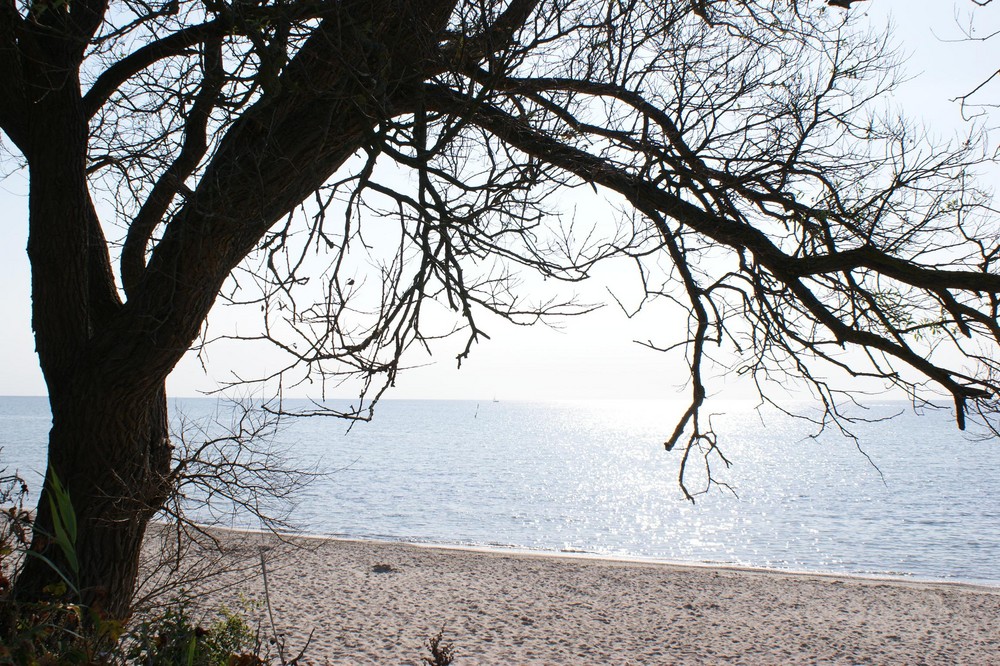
(109, 441)
(112, 454)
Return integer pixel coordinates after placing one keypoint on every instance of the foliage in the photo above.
(58, 632)
(58, 629)
(173, 638)
(15, 525)
(64, 537)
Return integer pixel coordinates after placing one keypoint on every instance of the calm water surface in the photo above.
(593, 477)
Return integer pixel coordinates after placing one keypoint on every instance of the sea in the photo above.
(911, 496)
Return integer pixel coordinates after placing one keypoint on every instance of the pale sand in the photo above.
(377, 603)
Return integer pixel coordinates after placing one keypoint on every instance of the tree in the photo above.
(197, 151)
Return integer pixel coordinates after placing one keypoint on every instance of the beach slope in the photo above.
(377, 603)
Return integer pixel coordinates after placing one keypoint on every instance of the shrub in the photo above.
(172, 638)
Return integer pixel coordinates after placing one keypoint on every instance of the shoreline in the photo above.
(901, 578)
(377, 602)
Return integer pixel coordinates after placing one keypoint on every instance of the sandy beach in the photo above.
(377, 603)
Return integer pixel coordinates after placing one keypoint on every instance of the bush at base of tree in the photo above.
(59, 630)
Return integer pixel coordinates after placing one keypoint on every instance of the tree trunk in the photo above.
(108, 444)
(105, 362)
(112, 454)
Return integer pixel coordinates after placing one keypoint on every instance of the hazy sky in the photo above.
(592, 356)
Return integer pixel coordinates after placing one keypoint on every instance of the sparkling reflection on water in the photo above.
(593, 477)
